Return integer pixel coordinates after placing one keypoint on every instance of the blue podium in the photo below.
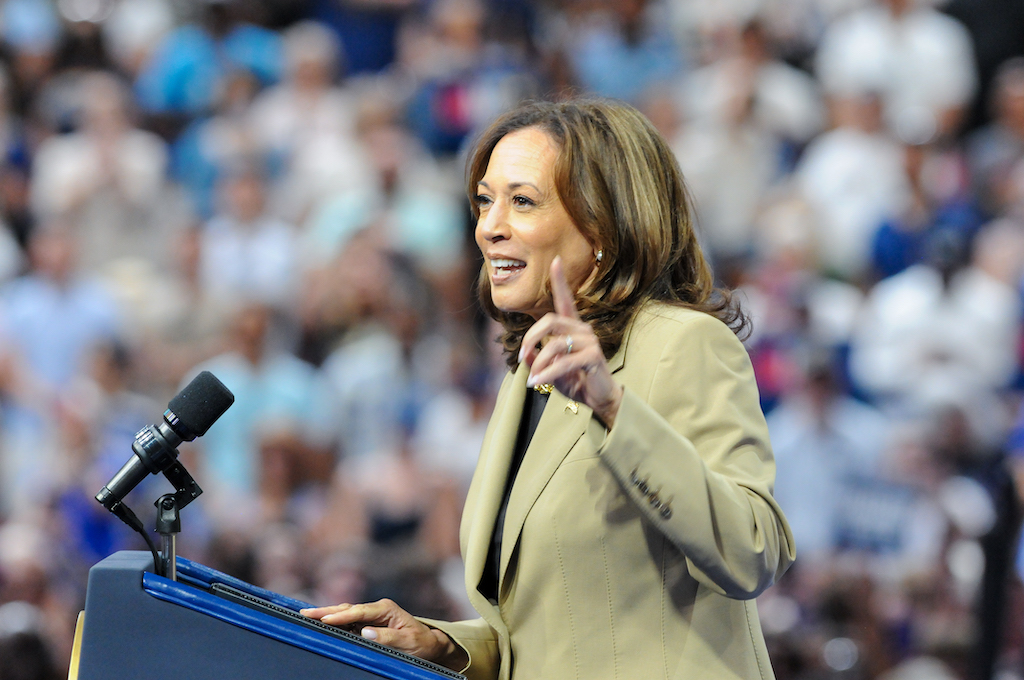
(207, 624)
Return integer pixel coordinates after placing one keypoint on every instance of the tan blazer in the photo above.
(634, 552)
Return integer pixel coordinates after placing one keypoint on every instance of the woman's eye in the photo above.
(522, 201)
(482, 200)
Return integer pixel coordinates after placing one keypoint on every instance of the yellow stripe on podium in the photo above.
(76, 647)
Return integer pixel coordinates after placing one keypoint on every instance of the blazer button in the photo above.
(642, 485)
(654, 499)
(666, 511)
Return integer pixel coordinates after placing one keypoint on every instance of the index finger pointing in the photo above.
(564, 300)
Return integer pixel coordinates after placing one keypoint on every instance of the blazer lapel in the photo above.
(560, 427)
(495, 460)
(558, 430)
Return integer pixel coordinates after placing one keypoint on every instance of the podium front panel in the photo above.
(139, 625)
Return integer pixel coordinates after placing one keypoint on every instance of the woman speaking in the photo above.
(620, 520)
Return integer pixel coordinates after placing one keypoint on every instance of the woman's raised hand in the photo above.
(387, 623)
(563, 350)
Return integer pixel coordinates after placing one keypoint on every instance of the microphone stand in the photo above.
(168, 520)
(168, 525)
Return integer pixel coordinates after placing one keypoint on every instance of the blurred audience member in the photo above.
(749, 116)
(996, 148)
(1015, 569)
(451, 427)
(853, 178)
(108, 175)
(975, 495)
(403, 205)
(186, 323)
(102, 415)
(36, 595)
(185, 70)
(32, 31)
(15, 162)
(784, 101)
(51, 319)
(795, 309)
(943, 327)
(389, 363)
(919, 60)
(828, 448)
(460, 78)
(82, 46)
(412, 513)
(134, 29)
(246, 252)
(368, 30)
(25, 651)
(211, 144)
(935, 205)
(621, 48)
(306, 123)
(277, 396)
(730, 163)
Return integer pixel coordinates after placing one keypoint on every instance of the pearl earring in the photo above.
(600, 255)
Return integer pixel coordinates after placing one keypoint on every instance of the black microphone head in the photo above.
(193, 410)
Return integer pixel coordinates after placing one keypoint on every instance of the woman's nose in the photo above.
(492, 225)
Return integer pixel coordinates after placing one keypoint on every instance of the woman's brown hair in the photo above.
(622, 186)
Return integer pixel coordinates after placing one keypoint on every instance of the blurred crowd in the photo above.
(272, 190)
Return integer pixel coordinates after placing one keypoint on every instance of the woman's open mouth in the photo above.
(503, 269)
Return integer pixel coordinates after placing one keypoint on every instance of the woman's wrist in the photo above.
(608, 411)
(452, 655)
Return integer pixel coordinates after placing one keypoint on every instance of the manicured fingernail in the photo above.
(522, 353)
(531, 381)
(369, 633)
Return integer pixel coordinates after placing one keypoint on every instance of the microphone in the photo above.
(189, 415)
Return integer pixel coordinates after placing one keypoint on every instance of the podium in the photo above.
(208, 625)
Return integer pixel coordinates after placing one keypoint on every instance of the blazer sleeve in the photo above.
(480, 641)
(690, 447)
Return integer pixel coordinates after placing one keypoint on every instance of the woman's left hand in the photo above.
(563, 350)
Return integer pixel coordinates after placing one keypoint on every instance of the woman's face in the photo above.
(523, 225)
